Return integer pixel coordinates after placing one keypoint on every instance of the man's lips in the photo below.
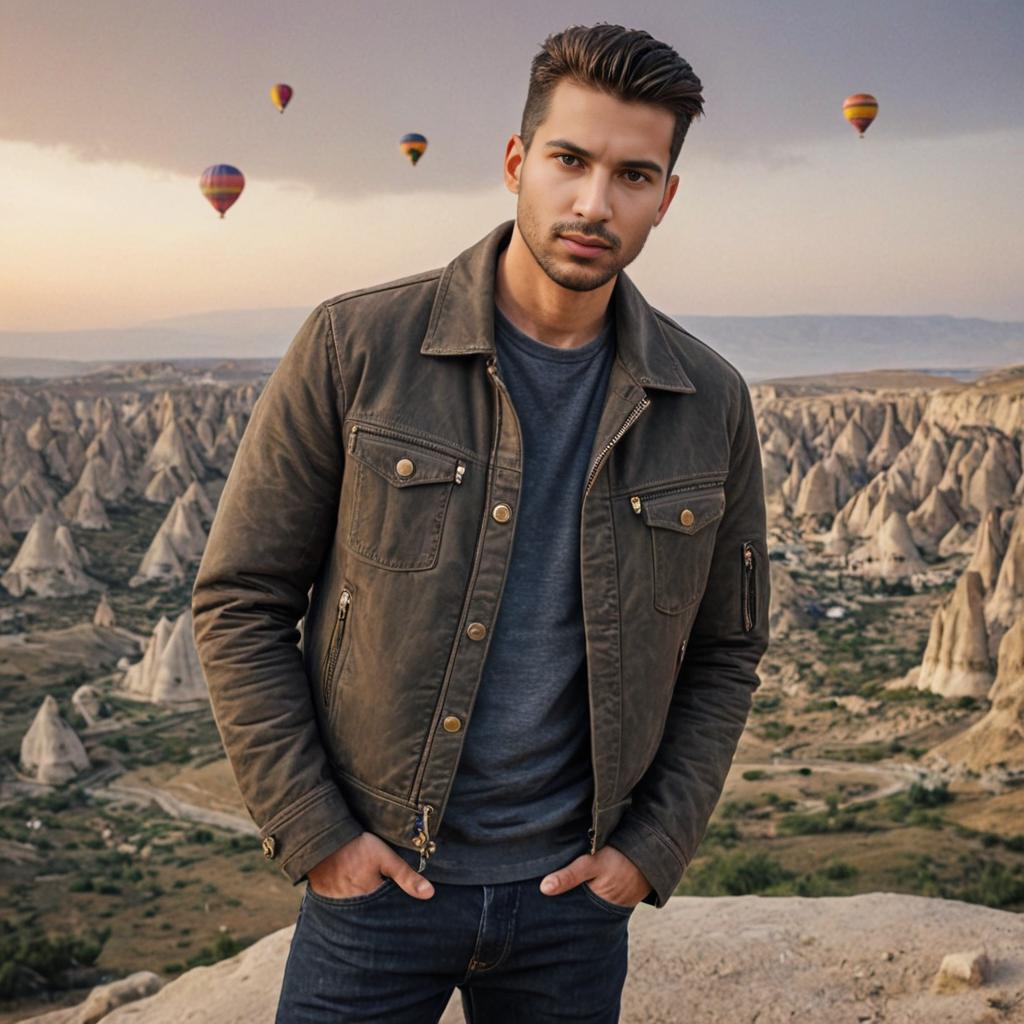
(580, 248)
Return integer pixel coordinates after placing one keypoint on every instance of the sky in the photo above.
(111, 110)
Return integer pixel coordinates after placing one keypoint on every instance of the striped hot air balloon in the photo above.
(222, 184)
(413, 146)
(860, 109)
(281, 94)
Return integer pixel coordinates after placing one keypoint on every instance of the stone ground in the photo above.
(868, 959)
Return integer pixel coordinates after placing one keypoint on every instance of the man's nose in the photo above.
(593, 200)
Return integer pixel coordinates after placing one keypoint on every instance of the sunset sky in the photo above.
(111, 110)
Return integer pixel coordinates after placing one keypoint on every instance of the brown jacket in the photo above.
(374, 497)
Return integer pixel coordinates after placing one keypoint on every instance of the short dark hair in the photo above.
(630, 64)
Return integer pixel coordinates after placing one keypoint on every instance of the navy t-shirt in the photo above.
(521, 798)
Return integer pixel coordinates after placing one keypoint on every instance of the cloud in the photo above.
(177, 87)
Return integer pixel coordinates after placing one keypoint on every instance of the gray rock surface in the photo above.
(726, 960)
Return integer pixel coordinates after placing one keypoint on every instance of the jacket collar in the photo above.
(462, 318)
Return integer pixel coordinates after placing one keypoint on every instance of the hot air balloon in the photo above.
(222, 184)
(860, 109)
(413, 146)
(281, 94)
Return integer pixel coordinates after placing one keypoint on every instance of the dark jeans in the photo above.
(515, 954)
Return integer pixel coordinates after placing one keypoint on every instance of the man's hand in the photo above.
(360, 866)
(610, 874)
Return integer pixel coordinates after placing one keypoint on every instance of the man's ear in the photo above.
(515, 154)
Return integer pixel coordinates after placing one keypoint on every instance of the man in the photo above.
(522, 515)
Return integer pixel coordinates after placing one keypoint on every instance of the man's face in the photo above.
(592, 185)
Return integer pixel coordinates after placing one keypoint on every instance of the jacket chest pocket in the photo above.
(682, 524)
(400, 498)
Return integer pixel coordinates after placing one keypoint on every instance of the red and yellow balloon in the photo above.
(280, 94)
(860, 110)
(222, 184)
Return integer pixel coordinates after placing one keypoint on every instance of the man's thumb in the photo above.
(566, 878)
(407, 879)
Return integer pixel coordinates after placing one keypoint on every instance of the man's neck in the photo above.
(541, 308)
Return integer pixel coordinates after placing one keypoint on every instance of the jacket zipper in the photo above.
(613, 440)
(633, 416)
(460, 468)
(749, 607)
(337, 634)
(422, 840)
(636, 500)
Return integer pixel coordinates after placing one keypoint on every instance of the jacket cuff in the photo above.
(309, 830)
(652, 853)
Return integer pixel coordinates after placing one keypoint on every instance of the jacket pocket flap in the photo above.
(401, 462)
(684, 511)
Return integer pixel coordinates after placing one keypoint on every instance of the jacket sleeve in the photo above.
(274, 524)
(671, 804)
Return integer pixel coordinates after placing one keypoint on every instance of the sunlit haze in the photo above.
(781, 208)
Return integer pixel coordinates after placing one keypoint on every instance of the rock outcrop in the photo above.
(48, 562)
(723, 960)
(997, 739)
(51, 751)
(169, 672)
(956, 662)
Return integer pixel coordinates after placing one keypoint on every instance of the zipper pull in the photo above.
(343, 602)
(634, 501)
(592, 837)
(422, 840)
(352, 437)
(460, 470)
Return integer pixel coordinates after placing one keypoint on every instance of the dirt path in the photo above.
(896, 775)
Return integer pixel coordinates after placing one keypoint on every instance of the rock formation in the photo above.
(48, 563)
(997, 739)
(890, 553)
(87, 702)
(956, 662)
(104, 614)
(169, 672)
(51, 750)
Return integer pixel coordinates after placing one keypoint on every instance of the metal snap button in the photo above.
(404, 467)
(452, 723)
(686, 517)
(501, 513)
(476, 631)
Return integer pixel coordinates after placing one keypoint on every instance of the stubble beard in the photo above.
(583, 277)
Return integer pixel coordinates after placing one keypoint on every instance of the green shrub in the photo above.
(736, 873)
(737, 808)
(775, 730)
(723, 833)
(798, 824)
(24, 955)
(838, 871)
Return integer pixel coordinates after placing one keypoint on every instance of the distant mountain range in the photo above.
(761, 347)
